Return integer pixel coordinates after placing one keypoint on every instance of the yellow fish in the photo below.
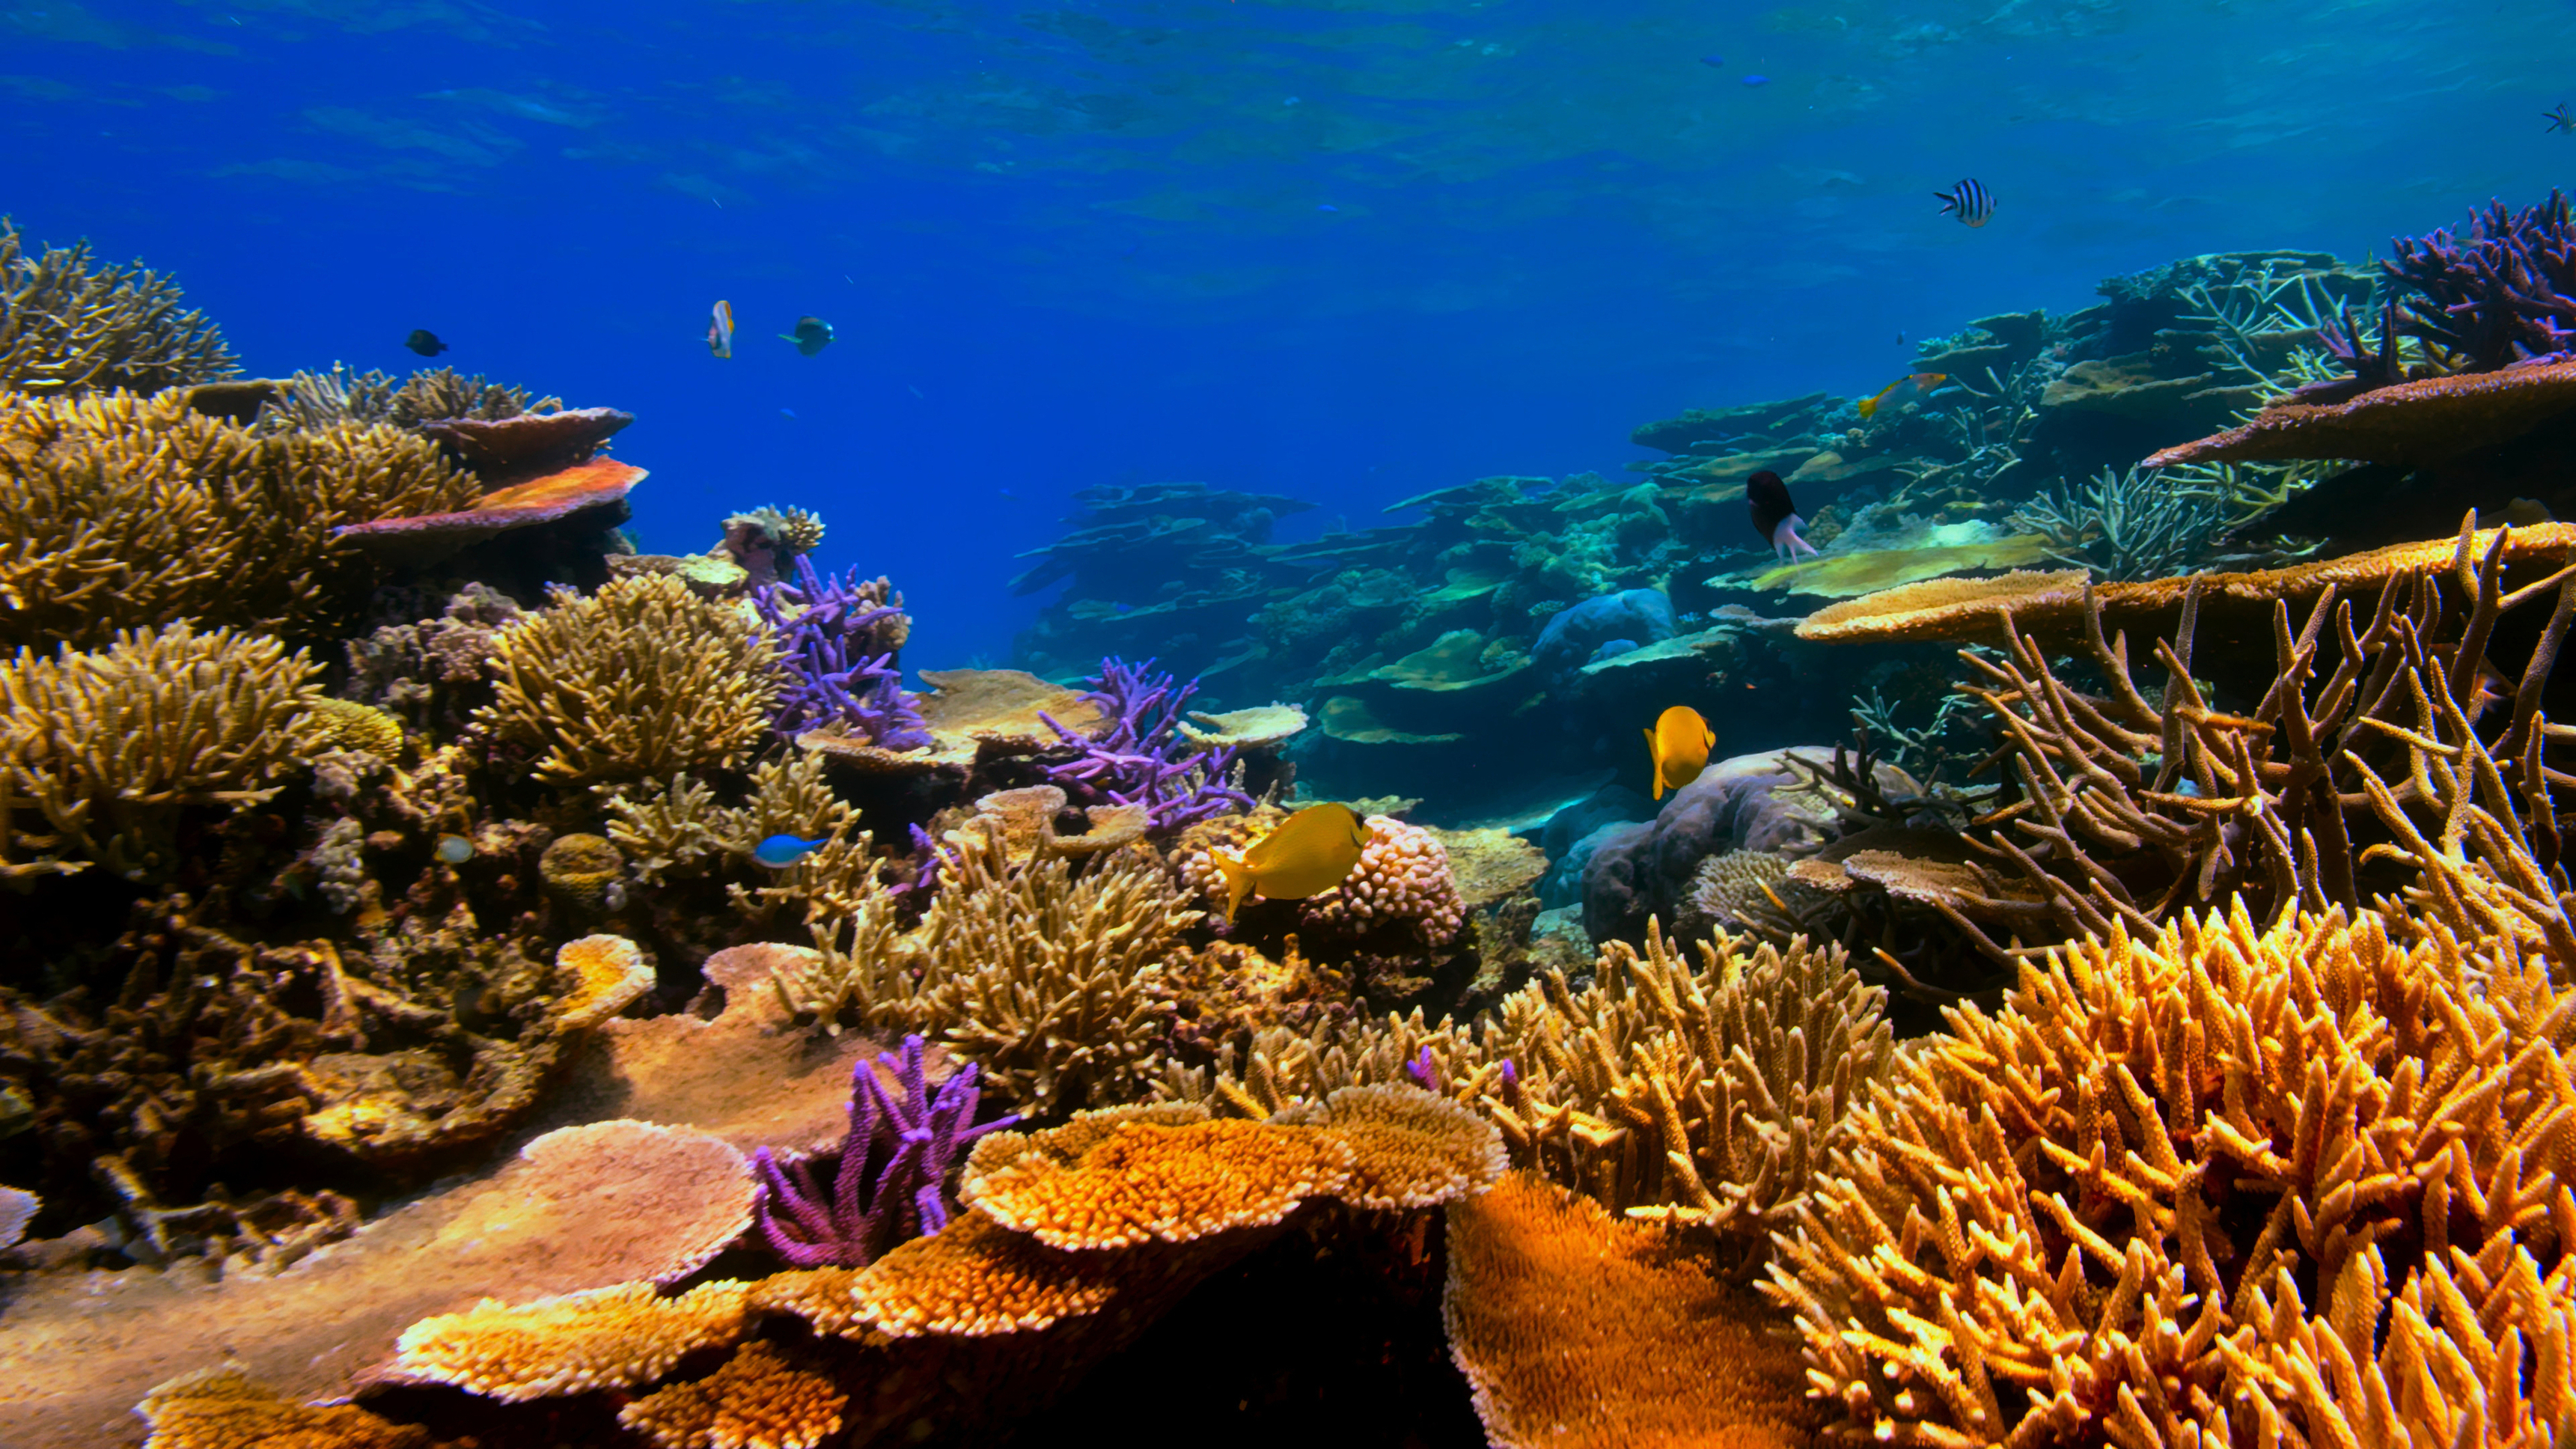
(1678, 745)
(1309, 853)
(1922, 381)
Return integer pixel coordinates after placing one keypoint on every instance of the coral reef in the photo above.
(839, 638)
(73, 325)
(639, 680)
(1138, 755)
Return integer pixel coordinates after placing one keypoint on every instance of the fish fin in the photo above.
(1867, 406)
(1238, 882)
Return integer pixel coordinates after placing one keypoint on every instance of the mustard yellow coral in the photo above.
(222, 1408)
(757, 1400)
(603, 1338)
(70, 324)
(1148, 1181)
(109, 744)
(643, 679)
(119, 511)
(345, 724)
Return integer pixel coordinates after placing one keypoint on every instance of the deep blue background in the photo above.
(1069, 245)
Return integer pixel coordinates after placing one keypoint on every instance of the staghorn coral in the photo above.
(759, 1399)
(2128, 526)
(1578, 1331)
(2090, 1214)
(839, 639)
(890, 1176)
(310, 401)
(108, 746)
(641, 679)
(1139, 754)
(70, 325)
(1053, 985)
(118, 511)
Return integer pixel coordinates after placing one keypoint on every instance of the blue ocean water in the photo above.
(1344, 251)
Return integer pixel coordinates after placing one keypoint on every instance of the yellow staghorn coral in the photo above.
(1147, 1181)
(221, 1408)
(603, 1338)
(757, 1400)
(68, 324)
(1053, 984)
(2086, 1215)
(109, 745)
(640, 680)
(118, 511)
(1576, 1330)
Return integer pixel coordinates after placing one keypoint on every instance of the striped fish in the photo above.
(1971, 202)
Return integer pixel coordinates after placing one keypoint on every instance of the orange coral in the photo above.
(1576, 1330)
(609, 974)
(976, 1278)
(222, 1408)
(426, 538)
(2412, 423)
(604, 1338)
(1145, 1181)
(1410, 1149)
(758, 1400)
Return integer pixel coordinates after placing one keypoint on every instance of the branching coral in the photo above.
(117, 511)
(2123, 526)
(641, 679)
(2175, 1182)
(108, 746)
(890, 1175)
(839, 638)
(68, 324)
(1052, 983)
(1139, 755)
(314, 400)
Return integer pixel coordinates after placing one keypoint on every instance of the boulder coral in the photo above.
(640, 680)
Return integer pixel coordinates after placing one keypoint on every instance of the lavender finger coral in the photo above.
(1140, 756)
(840, 637)
(891, 1179)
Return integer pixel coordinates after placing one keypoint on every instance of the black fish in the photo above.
(424, 342)
(2560, 119)
(1775, 517)
(812, 335)
(1970, 201)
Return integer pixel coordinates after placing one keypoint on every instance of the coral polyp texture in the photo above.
(641, 679)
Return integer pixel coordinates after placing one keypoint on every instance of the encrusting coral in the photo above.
(68, 325)
(108, 746)
(118, 511)
(2168, 1190)
(639, 680)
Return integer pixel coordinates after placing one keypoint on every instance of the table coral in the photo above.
(759, 1399)
(109, 745)
(601, 1338)
(1578, 1331)
(641, 679)
(73, 325)
(609, 974)
(2408, 423)
(221, 1408)
(596, 488)
(1148, 1181)
(2140, 1198)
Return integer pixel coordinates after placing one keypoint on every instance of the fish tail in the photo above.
(1238, 882)
(1867, 406)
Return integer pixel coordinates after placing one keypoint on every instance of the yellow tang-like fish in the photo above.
(1678, 745)
(1309, 853)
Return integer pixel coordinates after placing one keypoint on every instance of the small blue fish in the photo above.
(1712, 60)
(781, 851)
(1757, 80)
(787, 412)
(1327, 206)
(2560, 119)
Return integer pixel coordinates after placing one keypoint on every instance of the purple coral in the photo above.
(2495, 297)
(1140, 756)
(893, 1173)
(837, 634)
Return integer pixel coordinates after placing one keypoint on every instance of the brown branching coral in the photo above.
(118, 511)
(68, 324)
(2170, 1189)
(2130, 809)
(639, 680)
(108, 746)
(314, 400)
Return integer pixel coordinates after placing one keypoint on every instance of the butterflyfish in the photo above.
(720, 330)
(1308, 854)
(781, 851)
(1969, 201)
(424, 342)
(812, 335)
(1774, 516)
(1919, 381)
(1679, 745)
